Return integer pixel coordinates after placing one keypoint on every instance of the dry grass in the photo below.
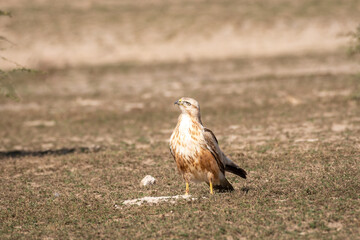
(296, 133)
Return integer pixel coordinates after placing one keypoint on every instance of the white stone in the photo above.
(148, 180)
(154, 200)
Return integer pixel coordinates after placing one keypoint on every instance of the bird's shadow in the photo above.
(56, 152)
(245, 189)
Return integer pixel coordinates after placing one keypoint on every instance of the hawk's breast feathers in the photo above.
(194, 149)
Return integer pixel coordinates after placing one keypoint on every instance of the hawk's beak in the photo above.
(177, 102)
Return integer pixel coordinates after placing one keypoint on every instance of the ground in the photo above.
(82, 137)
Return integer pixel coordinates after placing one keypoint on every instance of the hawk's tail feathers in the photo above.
(236, 170)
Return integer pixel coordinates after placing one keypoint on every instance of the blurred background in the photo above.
(100, 63)
(50, 34)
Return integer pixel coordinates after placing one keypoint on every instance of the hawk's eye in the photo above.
(187, 103)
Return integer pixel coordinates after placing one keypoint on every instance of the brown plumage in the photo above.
(196, 151)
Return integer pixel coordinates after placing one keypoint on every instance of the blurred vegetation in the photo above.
(354, 48)
(6, 87)
(3, 13)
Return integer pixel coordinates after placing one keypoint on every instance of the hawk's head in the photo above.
(189, 106)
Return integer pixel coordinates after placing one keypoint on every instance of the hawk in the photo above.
(196, 151)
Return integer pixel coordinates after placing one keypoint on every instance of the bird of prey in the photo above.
(196, 151)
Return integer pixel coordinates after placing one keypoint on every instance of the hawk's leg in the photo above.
(187, 189)
(210, 179)
(187, 180)
(211, 188)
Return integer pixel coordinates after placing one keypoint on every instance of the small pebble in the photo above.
(148, 180)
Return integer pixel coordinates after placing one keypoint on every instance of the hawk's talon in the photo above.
(187, 189)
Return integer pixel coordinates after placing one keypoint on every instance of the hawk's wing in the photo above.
(224, 162)
(212, 145)
(171, 151)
